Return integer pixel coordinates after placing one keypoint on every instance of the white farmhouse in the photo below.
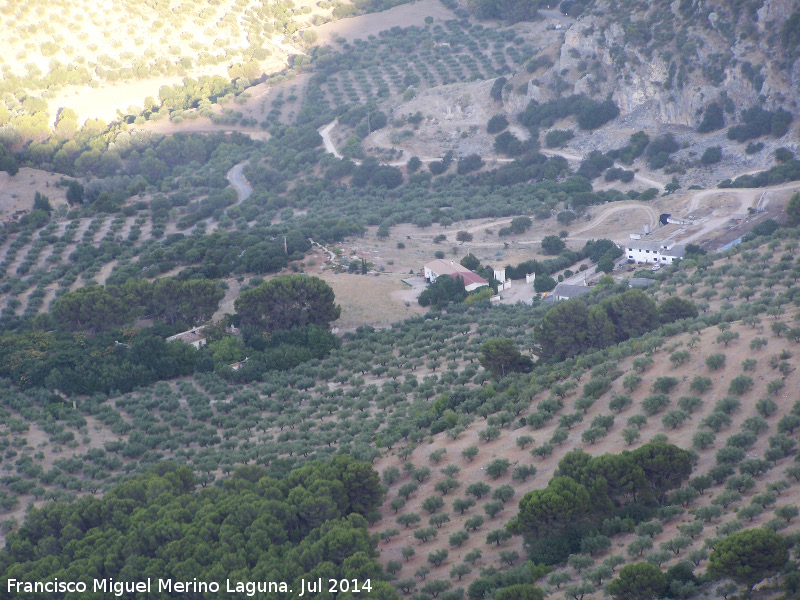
(662, 253)
(437, 268)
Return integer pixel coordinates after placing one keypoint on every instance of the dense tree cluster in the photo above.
(96, 309)
(590, 114)
(286, 302)
(77, 364)
(571, 327)
(518, 226)
(588, 489)
(632, 150)
(713, 118)
(748, 556)
(659, 150)
(788, 171)
(638, 581)
(443, 291)
(790, 35)
(496, 124)
(596, 250)
(251, 528)
(757, 122)
(501, 356)
(512, 11)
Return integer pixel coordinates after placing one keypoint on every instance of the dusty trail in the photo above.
(604, 213)
(380, 140)
(239, 183)
(576, 158)
(748, 197)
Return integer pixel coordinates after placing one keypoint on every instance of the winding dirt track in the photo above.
(604, 213)
(748, 197)
(325, 132)
(238, 182)
(379, 140)
(575, 157)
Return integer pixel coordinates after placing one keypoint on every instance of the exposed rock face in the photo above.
(775, 12)
(642, 83)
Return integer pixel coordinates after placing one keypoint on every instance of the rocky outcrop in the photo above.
(637, 82)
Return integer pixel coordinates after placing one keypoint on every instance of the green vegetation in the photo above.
(94, 401)
(290, 525)
(572, 327)
(553, 520)
(590, 114)
(757, 122)
(748, 556)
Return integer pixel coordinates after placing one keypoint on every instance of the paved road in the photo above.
(325, 132)
(239, 183)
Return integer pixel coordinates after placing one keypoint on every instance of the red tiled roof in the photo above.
(469, 277)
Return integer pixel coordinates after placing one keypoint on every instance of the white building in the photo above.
(500, 276)
(194, 337)
(662, 253)
(437, 268)
(564, 291)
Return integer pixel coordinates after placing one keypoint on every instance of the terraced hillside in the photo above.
(414, 401)
(357, 150)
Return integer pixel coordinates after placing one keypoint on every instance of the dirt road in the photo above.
(325, 132)
(239, 183)
(575, 157)
(378, 140)
(748, 197)
(607, 211)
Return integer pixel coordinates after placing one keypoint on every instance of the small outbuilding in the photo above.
(639, 282)
(565, 291)
(194, 337)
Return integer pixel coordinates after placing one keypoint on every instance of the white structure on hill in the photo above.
(565, 291)
(437, 268)
(194, 337)
(662, 253)
(500, 276)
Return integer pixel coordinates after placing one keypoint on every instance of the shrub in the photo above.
(703, 439)
(711, 156)
(470, 163)
(689, 403)
(497, 124)
(620, 403)
(712, 118)
(664, 384)
(655, 403)
(498, 467)
(558, 138)
(740, 385)
(700, 384)
(458, 538)
(715, 361)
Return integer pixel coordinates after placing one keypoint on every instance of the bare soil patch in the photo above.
(377, 300)
(363, 26)
(17, 192)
